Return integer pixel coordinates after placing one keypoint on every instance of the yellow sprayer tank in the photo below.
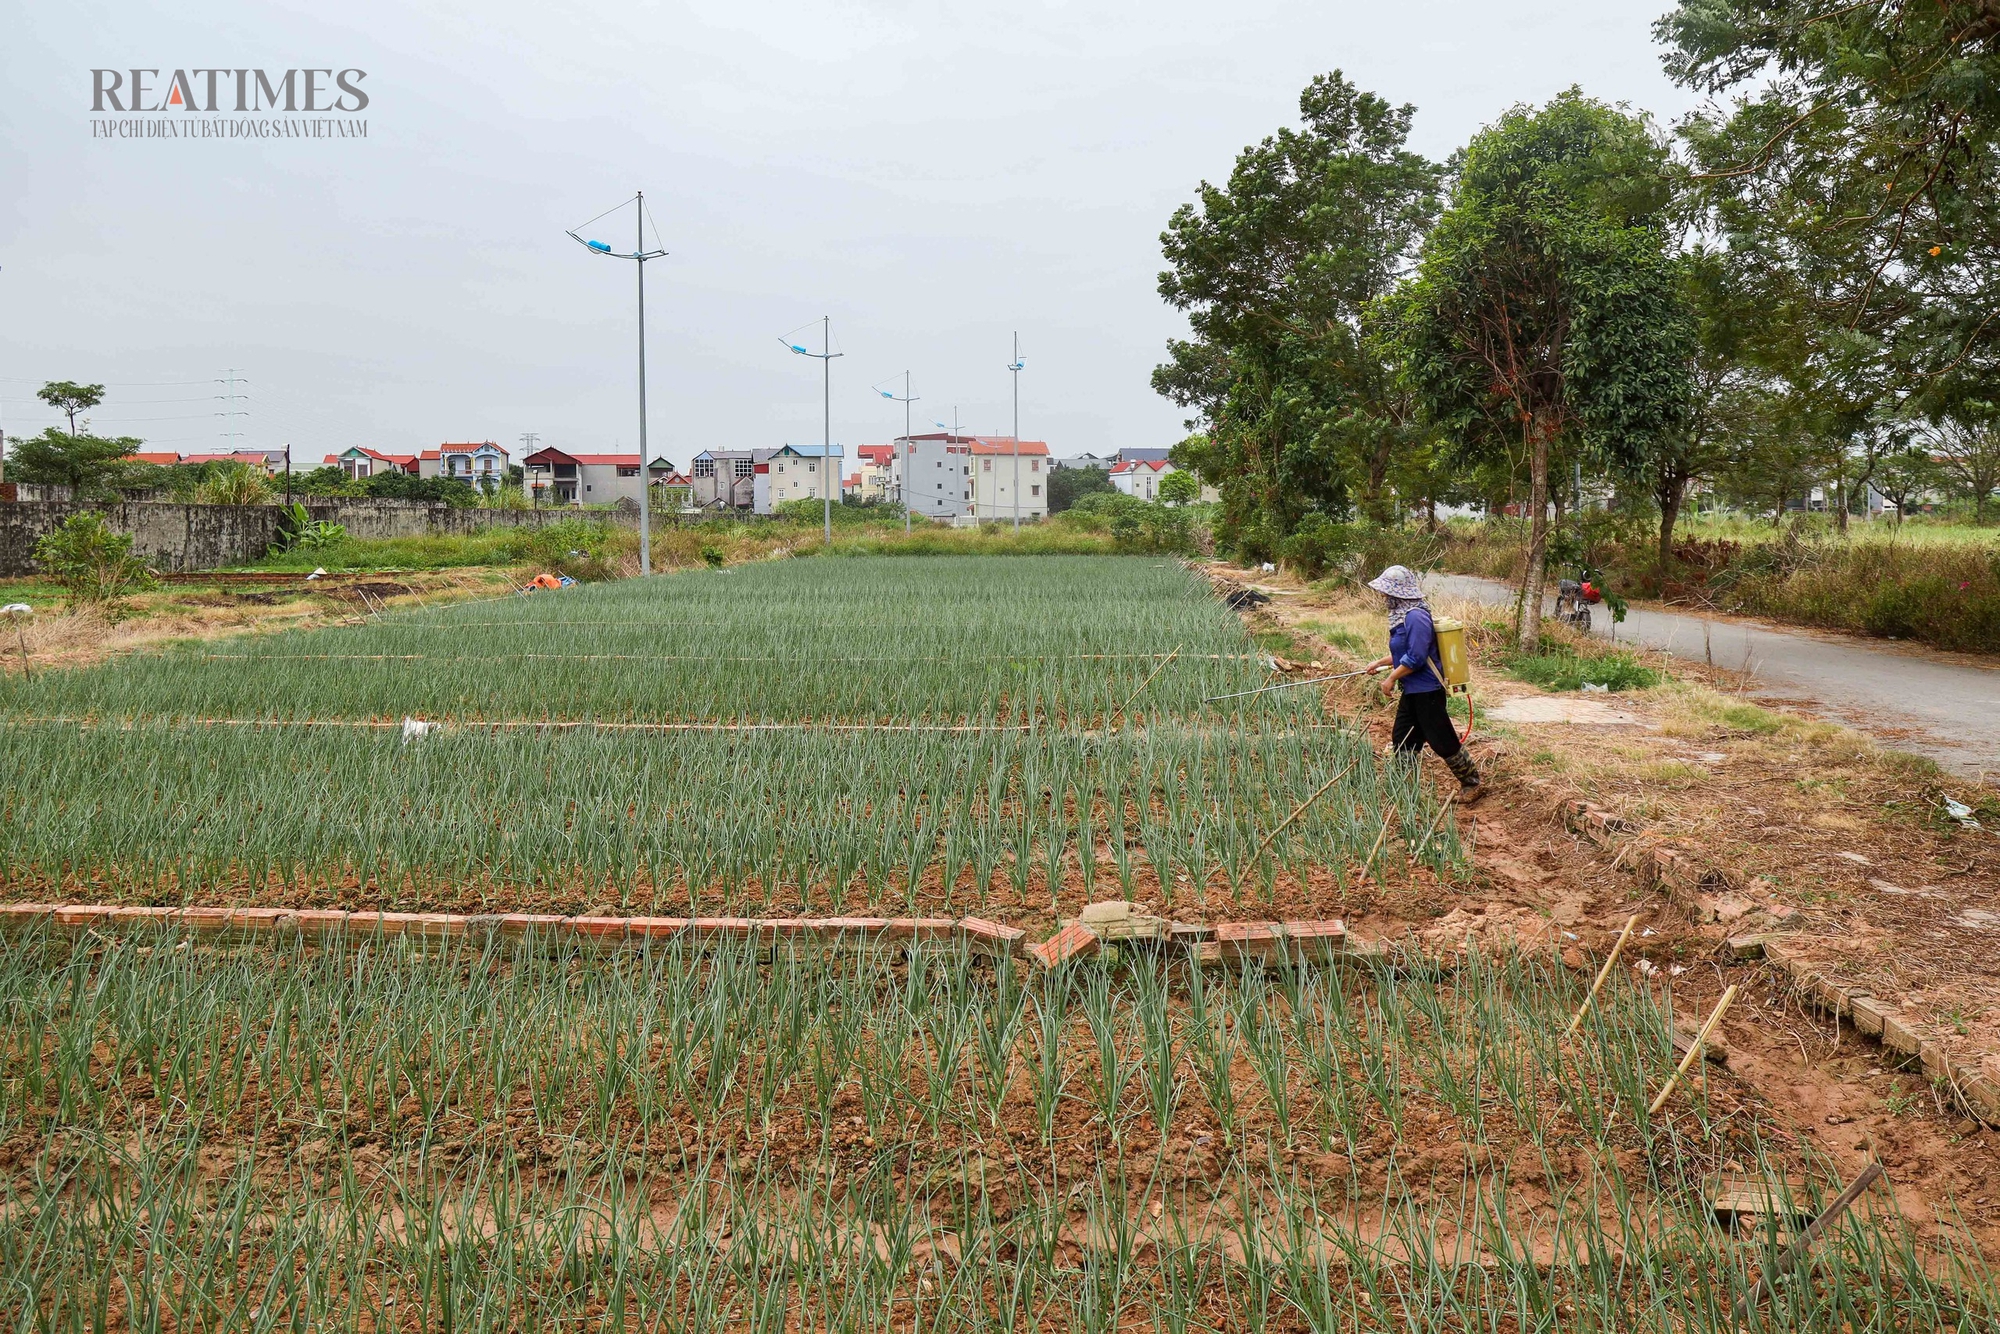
(1451, 661)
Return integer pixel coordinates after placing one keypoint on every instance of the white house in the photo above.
(1142, 478)
(983, 477)
(796, 472)
(481, 463)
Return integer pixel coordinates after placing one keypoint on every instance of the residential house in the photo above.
(159, 458)
(877, 479)
(794, 472)
(556, 476)
(1103, 464)
(726, 478)
(952, 475)
(1142, 478)
(359, 461)
(1145, 454)
(482, 464)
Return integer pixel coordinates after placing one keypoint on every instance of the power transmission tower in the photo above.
(529, 439)
(229, 409)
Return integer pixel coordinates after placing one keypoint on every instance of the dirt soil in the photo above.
(58, 636)
(1846, 841)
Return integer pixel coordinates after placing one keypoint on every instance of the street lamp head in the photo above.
(599, 246)
(796, 348)
(1017, 364)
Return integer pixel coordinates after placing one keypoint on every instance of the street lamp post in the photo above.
(640, 255)
(909, 446)
(825, 357)
(1015, 366)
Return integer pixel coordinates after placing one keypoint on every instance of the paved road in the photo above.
(1911, 699)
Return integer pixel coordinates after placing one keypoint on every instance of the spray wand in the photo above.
(1287, 685)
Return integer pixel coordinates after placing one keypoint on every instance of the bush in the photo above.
(583, 550)
(1559, 667)
(91, 560)
(234, 484)
(301, 532)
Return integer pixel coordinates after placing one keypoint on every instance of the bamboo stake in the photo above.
(1120, 713)
(1694, 1050)
(21, 637)
(1425, 841)
(1603, 973)
(1299, 810)
(1797, 1250)
(1367, 866)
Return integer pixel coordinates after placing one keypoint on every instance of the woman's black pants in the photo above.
(1423, 719)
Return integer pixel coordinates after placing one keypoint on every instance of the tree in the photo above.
(1179, 487)
(89, 465)
(1726, 392)
(70, 398)
(1968, 452)
(1906, 474)
(1069, 485)
(1275, 269)
(1864, 140)
(1545, 304)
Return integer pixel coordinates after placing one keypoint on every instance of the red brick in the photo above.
(656, 928)
(521, 923)
(597, 928)
(79, 916)
(1075, 941)
(1248, 940)
(722, 926)
(992, 937)
(853, 926)
(321, 921)
(203, 919)
(1314, 940)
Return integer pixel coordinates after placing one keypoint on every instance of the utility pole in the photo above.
(825, 357)
(1015, 366)
(645, 471)
(909, 445)
(639, 255)
(288, 474)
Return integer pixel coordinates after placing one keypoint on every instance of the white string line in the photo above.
(570, 725)
(692, 657)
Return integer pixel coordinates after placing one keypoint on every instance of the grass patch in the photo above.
(1559, 667)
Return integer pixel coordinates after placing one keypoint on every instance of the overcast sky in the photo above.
(933, 177)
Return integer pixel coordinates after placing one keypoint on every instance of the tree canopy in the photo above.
(1545, 304)
(1275, 269)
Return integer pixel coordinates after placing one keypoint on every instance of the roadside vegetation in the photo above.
(1937, 583)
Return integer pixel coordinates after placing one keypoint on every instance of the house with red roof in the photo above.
(479, 463)
(359, 461)
(1141, 477)
(560, 477)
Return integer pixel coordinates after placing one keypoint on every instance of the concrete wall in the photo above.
(202, 537)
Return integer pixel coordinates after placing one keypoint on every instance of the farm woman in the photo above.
(1421, 716)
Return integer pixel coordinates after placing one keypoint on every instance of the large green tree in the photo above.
(1275, 269)
(89, 465)
(1855, 162)
(1545, 308)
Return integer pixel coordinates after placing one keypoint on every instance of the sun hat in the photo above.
(1398, 581)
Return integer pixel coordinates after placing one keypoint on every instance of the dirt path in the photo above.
(1797, 815)
(1942, 706)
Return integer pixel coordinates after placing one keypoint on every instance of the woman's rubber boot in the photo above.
(1470, 789)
